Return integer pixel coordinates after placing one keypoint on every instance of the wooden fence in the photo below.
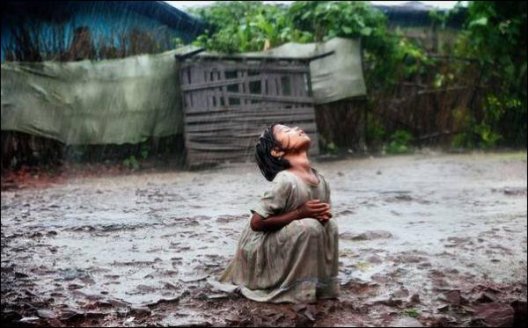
(229, 102)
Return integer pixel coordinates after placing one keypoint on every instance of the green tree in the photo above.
(495, 36)
(239, 26)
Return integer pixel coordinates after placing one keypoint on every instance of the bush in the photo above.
(399, 142)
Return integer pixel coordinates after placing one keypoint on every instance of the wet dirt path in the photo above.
(426, 240)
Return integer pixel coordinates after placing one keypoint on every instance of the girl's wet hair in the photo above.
(269, 165)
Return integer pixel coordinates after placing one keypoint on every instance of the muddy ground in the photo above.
(425, 240)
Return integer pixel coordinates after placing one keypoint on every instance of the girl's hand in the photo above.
(323, 218)
(314, 209)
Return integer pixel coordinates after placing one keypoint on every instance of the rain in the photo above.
(128, 171)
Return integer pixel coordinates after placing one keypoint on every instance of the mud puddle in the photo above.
(437, 240)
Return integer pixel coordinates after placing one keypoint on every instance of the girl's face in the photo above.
(291, 138)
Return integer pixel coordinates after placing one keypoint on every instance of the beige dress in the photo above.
(298, 263)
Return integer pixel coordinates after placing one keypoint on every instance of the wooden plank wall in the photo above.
(227, 105)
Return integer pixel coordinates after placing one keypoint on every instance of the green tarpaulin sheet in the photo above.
(111, 101)
(335, 77)
(128, 100)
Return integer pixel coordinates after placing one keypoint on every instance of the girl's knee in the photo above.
(312, 228)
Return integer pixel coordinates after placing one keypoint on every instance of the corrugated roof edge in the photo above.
(169, 15)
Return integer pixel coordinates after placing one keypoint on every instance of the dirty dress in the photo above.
(296, 264)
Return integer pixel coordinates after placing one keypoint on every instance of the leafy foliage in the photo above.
(131, 163)
(412, 312)
(399, 143)
(493, 36)
(240, 26)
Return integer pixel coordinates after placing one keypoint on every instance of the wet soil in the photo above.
(425, 240)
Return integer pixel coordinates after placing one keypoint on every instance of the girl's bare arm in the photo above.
(310, 209)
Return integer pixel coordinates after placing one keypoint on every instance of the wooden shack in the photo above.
(229, 100)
